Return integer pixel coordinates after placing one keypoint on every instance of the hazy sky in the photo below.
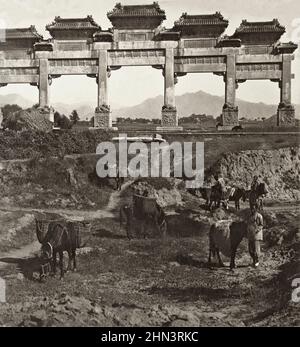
(131, 85)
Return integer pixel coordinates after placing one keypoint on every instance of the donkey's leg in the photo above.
(157, 227)
(74, 260)
(221, 264)
(128, 231)
(61, 264)
(69, 268)
(237, 204)
(232, 260)
(54, 262)
(209, 256)
(142, 232)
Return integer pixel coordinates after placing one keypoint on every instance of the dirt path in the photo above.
(29, 250)
(24, 252)
(78, 215)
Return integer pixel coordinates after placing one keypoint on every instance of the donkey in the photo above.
(57, 237)
(146, 211)
(225, 237)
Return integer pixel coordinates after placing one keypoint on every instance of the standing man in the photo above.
(220, 185)
(254, 184)
(255, 235)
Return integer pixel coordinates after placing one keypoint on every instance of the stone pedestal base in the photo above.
(169, 120)
(102, 119)
(169, 117)
(229, 117)
(48, 113)
(285, 115)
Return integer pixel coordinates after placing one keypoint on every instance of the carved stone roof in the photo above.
(152, 10)
(167, 35)
(141, 17)
(229, 41)
(23, 33)
(259, 27)
(72, 28)
(73, 23)
(200, 20)
(44, 45)
(286, 47)
(103, 36)
(202, 26)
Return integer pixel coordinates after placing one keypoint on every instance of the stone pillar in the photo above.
(286, 111)
(1, 118)
(44, 90)
(102, 118)
(44, 83)
(169, 112)
(229, 117)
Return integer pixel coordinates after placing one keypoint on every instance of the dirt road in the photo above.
(78, 215)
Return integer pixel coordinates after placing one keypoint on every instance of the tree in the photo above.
(61, 121)
(9, 109)
(74, 117)
(92, 121)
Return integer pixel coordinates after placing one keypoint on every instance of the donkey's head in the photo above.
(46, 251)
(41, 230)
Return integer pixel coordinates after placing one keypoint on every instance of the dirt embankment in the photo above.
(279, 168)
(54, 183)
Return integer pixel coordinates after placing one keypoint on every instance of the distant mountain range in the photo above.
(187, 104)
(198, 103)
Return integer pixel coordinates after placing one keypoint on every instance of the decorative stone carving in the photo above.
(108, 72)
(102, 117)
(136, 53)
(73, 62)
(43, 46)
(169, 116)
(50, 80)
(230, 115)
(200, 60)
(285, 115)
(258, 67)
(48, 111)
(175, 78)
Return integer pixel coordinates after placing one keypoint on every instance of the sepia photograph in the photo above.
(149, 166)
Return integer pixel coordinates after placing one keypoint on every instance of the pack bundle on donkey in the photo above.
(147, 212)
(57, 237)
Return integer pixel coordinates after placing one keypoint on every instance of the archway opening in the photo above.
(136, 96)
(23, 95)
(15, 97)
(199, 99)
(74, 92)
(258, 101)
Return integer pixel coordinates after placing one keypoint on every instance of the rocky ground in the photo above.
(148, 282)
(158, 283)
